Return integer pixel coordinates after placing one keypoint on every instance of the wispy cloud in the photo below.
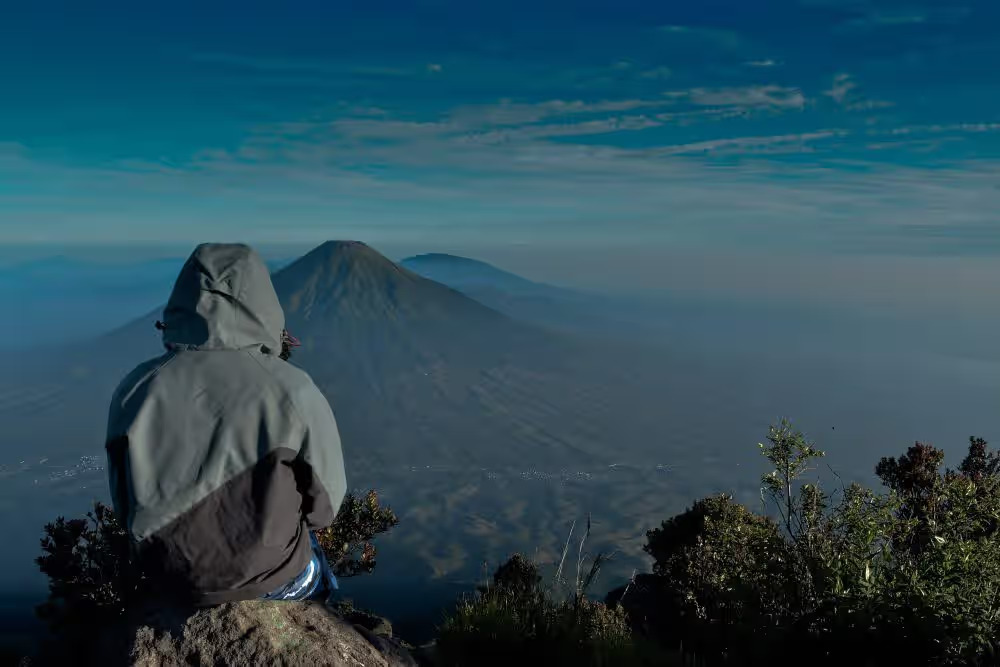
(552, 130)
(435, 177)
(784, 143)
(709, 114)
(326, 67)
(843, 84)
(507, 112)
(662, 72)
(895, 18)
(874, 18)
(774, 96)
(718, 37)
(870, 105)
(373, 163)
(845, 92)
(939, 129)
(460, 190)
(693, 131)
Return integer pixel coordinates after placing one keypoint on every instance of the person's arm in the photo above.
(320, 473)
(116, 442)
(117, 451)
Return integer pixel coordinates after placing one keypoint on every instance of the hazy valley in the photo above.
(491, 411)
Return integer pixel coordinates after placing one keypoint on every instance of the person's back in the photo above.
(222, 456)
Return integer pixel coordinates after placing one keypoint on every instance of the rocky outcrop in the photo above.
(253, 632)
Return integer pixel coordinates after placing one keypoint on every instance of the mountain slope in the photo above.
(464, 273)
(481, 430)
(417, 372)
(346, 298)
(549, 306)
(437, 376)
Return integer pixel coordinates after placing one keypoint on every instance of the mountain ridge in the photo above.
(443, 405)
(464, 273)
(352, 277)
(416, 372)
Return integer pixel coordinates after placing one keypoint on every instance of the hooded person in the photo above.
(223, 458)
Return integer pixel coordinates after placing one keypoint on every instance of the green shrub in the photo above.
(726, 571)
(911, 573)
(347, 542)
(515, 619)
(90, 568)
(92, 571)
(500, 625)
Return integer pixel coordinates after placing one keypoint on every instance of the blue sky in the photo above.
(820, 126)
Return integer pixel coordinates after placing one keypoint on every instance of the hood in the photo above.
(223, 300)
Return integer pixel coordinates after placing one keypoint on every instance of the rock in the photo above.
(392, 649)
(373, 622)
(253, 632)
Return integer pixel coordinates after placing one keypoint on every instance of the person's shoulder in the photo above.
(285, 373)
(293, 380)
(139, 375)
(298, 385)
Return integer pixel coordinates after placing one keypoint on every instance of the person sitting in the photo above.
(223, 457)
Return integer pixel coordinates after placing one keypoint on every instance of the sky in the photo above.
(816, 127)
(830, 152)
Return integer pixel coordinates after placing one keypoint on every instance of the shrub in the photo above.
(515, 619)
(92, 571)
(347, 542)
(502, 625)
(910, 573)
(724, 568)
(90, 568)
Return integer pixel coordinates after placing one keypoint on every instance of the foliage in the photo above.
(726, 565)
(909, 574)
(93, 572)
(791, 455)
(514, 618)
(90, 568)
(518, 574)
(347, 542)
(583, 579)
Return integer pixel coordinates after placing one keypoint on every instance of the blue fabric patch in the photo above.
(315, 577)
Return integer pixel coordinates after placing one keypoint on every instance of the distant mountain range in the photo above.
(464, 274)
(65, 270)
(490, 410)
(555, 308)
(481, 428)
(55, 300)
(416, 371)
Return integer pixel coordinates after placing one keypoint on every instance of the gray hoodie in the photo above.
(221, 456)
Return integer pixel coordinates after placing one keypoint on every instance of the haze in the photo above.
(727, 212)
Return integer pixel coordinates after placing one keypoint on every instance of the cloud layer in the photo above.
(859, 126)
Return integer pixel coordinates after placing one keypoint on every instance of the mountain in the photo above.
(538, 303)
(432, 373)
(481, 430)
(347, 296)
(548, 306)
(464, 273)
(417, 372)
(69, 297)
